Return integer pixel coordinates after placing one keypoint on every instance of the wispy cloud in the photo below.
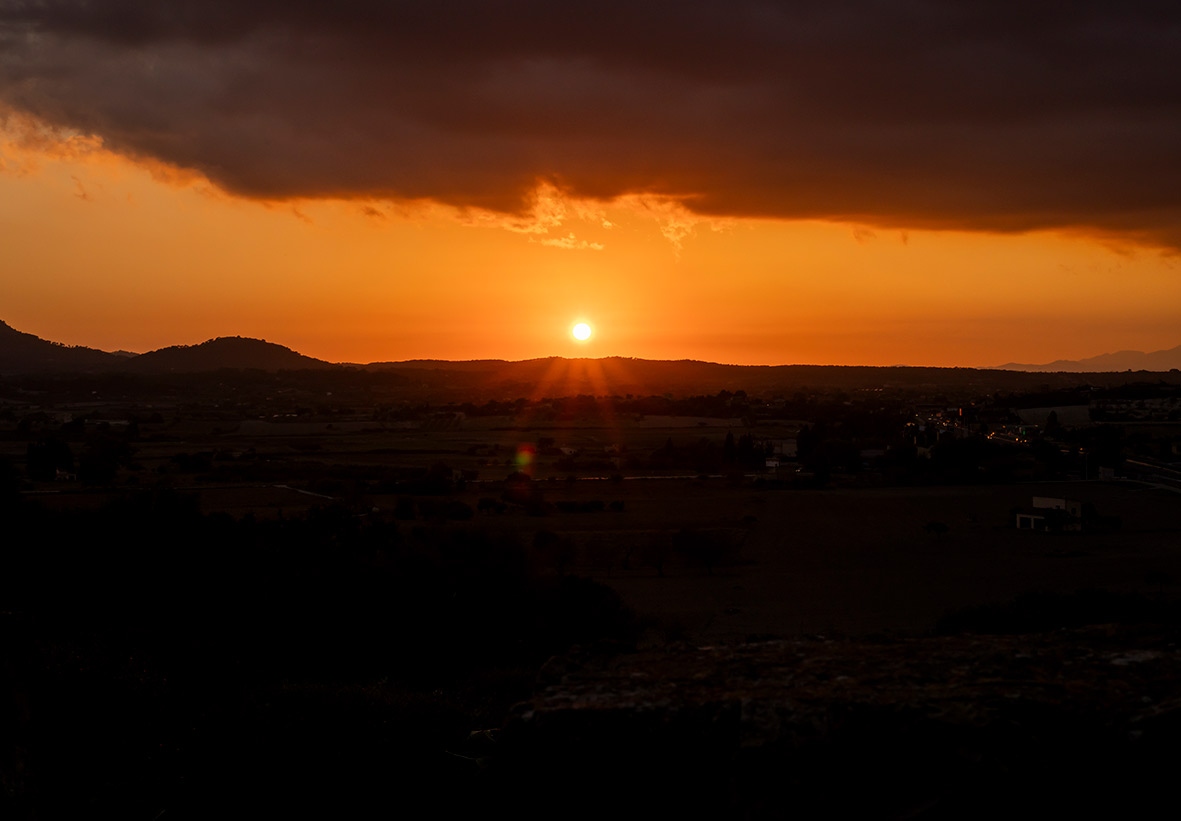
(80, 190)
(569, 242)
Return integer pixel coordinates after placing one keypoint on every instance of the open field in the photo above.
(849, 561)
(859, 561)
(781, 562)
(706, 558)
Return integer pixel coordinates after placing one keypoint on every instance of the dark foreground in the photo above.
(1042, 725)
(163, 662)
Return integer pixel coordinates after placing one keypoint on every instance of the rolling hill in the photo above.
(479, 380)
(1105, 363)
(25, 353)
(222, 352)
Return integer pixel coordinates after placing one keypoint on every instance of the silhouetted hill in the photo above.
(1119, 361)
(223, 352)
(483, 379)
(619, 376)
(25, 353)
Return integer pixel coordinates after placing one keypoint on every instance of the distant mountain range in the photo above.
(1108, 363)
(441, 380)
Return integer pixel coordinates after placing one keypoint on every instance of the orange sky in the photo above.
(99, 252)
(741, 182)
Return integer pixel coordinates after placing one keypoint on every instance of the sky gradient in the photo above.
(838, 183)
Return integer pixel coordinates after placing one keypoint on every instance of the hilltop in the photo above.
(25, 353)
(223, 352)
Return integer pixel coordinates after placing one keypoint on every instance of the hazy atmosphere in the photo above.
(750, 182)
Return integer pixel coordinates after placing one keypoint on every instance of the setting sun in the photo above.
(140, 209)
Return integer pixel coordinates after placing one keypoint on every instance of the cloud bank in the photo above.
(1002, 116)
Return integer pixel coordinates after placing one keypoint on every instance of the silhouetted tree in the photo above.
(1052, 427)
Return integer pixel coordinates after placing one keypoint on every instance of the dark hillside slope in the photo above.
(25, 353)
(223, 352)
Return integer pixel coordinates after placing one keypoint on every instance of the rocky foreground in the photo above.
(946, 727)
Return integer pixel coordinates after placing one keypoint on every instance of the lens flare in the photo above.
(526, 454)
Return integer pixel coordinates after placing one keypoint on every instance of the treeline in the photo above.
(836, 406)
(1084, 393)
(280, 390)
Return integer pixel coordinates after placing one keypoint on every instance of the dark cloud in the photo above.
(994, 115)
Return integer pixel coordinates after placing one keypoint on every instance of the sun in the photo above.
(581, 332)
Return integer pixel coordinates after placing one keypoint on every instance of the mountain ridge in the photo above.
(18, 349)
(1162, 360)
(22, 353)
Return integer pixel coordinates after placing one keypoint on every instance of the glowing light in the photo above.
(526, 454)
(581, 331)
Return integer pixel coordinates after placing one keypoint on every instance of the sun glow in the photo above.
(581, 332)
